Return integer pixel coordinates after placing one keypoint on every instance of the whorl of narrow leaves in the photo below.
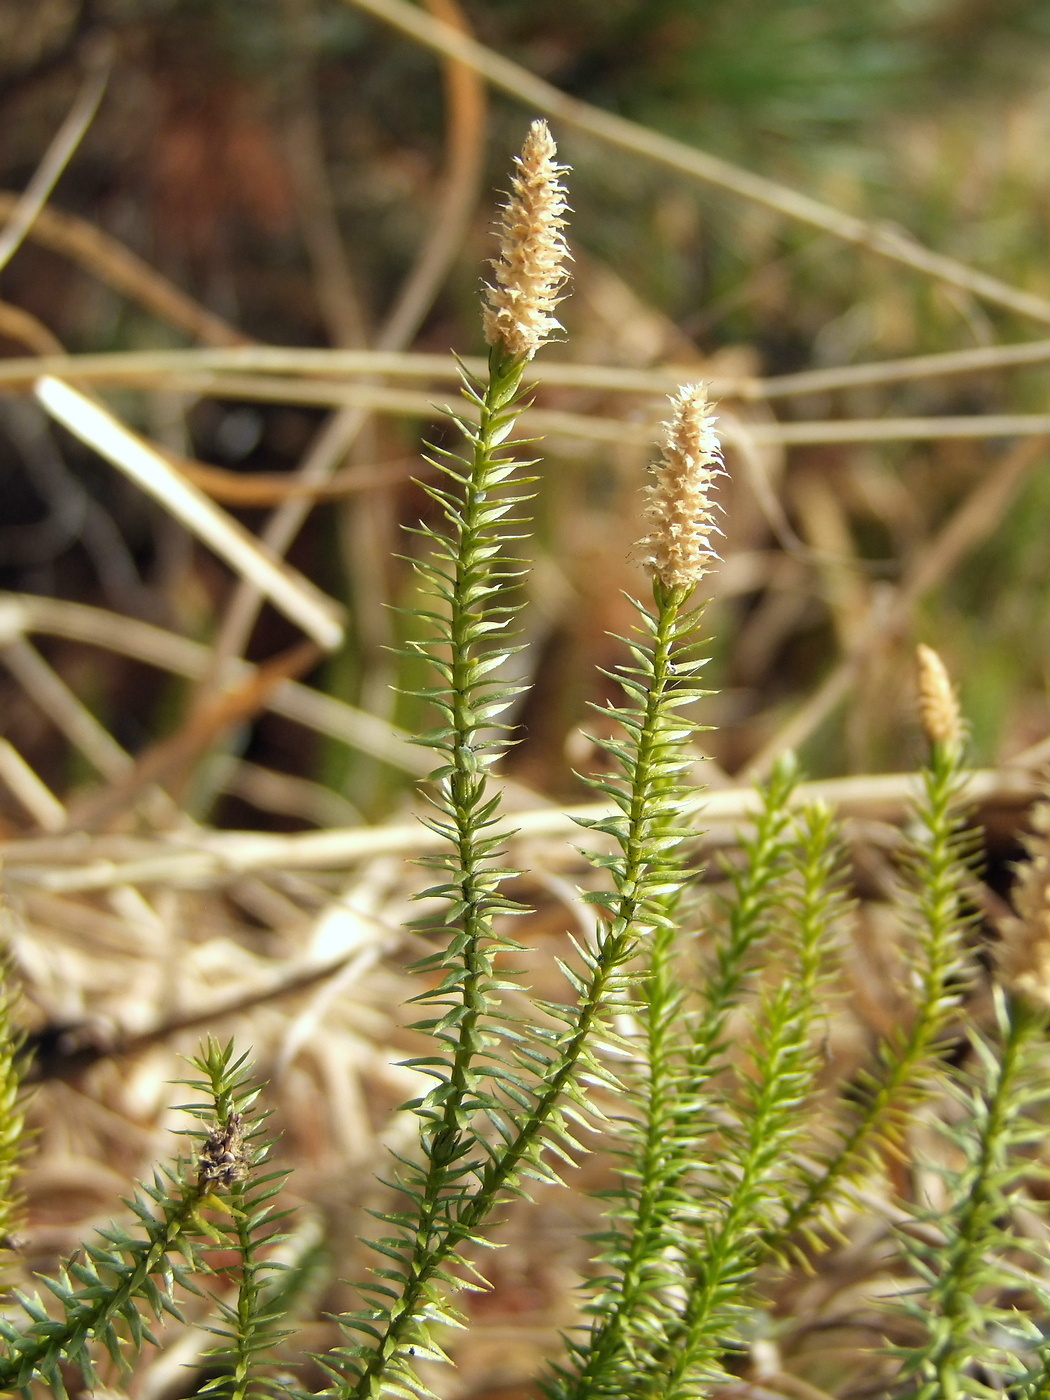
(967, 1258)
(939, 912)
(12, 1116)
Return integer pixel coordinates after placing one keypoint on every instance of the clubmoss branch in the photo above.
(115, 1278)
(731, 1204)
(938, 877)
(469, 574)
(641, 1254)
(961, 1277)
(12, 1115)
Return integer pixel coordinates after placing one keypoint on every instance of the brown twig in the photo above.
(109, 260)
(57, 156)
(271, 488)
(61, 1051)
(19, 325)
(162, 760)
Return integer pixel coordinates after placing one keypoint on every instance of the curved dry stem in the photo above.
(19, 325)
(111, 262)
(59, 153)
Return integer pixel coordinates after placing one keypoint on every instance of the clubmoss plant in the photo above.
(742, 1193)
(691, 1041)
(941, 915)
(249, 1327)
(469, 574)
(641, 1257)
(12, 1117)
(523, 1084)
(678, 553)
(108, 1293)
(965, 1259)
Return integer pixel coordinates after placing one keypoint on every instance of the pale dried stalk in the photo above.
(58, 155)
(106, 258)
(147, 366)
(294, 595)
(376, 398)
(128, 636)
(30, 789)
(66, 711)
(208, 859)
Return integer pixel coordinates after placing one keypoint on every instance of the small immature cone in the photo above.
(530, 270)
(939, 711)
(678, 549)
(1023, 955)
(224, 1158)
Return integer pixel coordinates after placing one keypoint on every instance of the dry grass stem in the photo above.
(57, 157)
(294, 595)
(106, 258)
(460, 186)
(182, 656)
(30, 789)
(148, 366)
(203, 859)
(360, 399)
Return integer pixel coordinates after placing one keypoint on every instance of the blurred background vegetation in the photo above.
(930, 113)
(283, 163)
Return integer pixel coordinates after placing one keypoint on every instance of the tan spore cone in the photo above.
(530, 270)
(939, 710)
(679, 549)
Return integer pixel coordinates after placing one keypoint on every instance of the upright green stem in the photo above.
(720, 1265)
(448, 1112)
(941, 926)
(12, 1115)
(631, 912)
(951, 1300)
(629, 1292)
(246, 1327)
